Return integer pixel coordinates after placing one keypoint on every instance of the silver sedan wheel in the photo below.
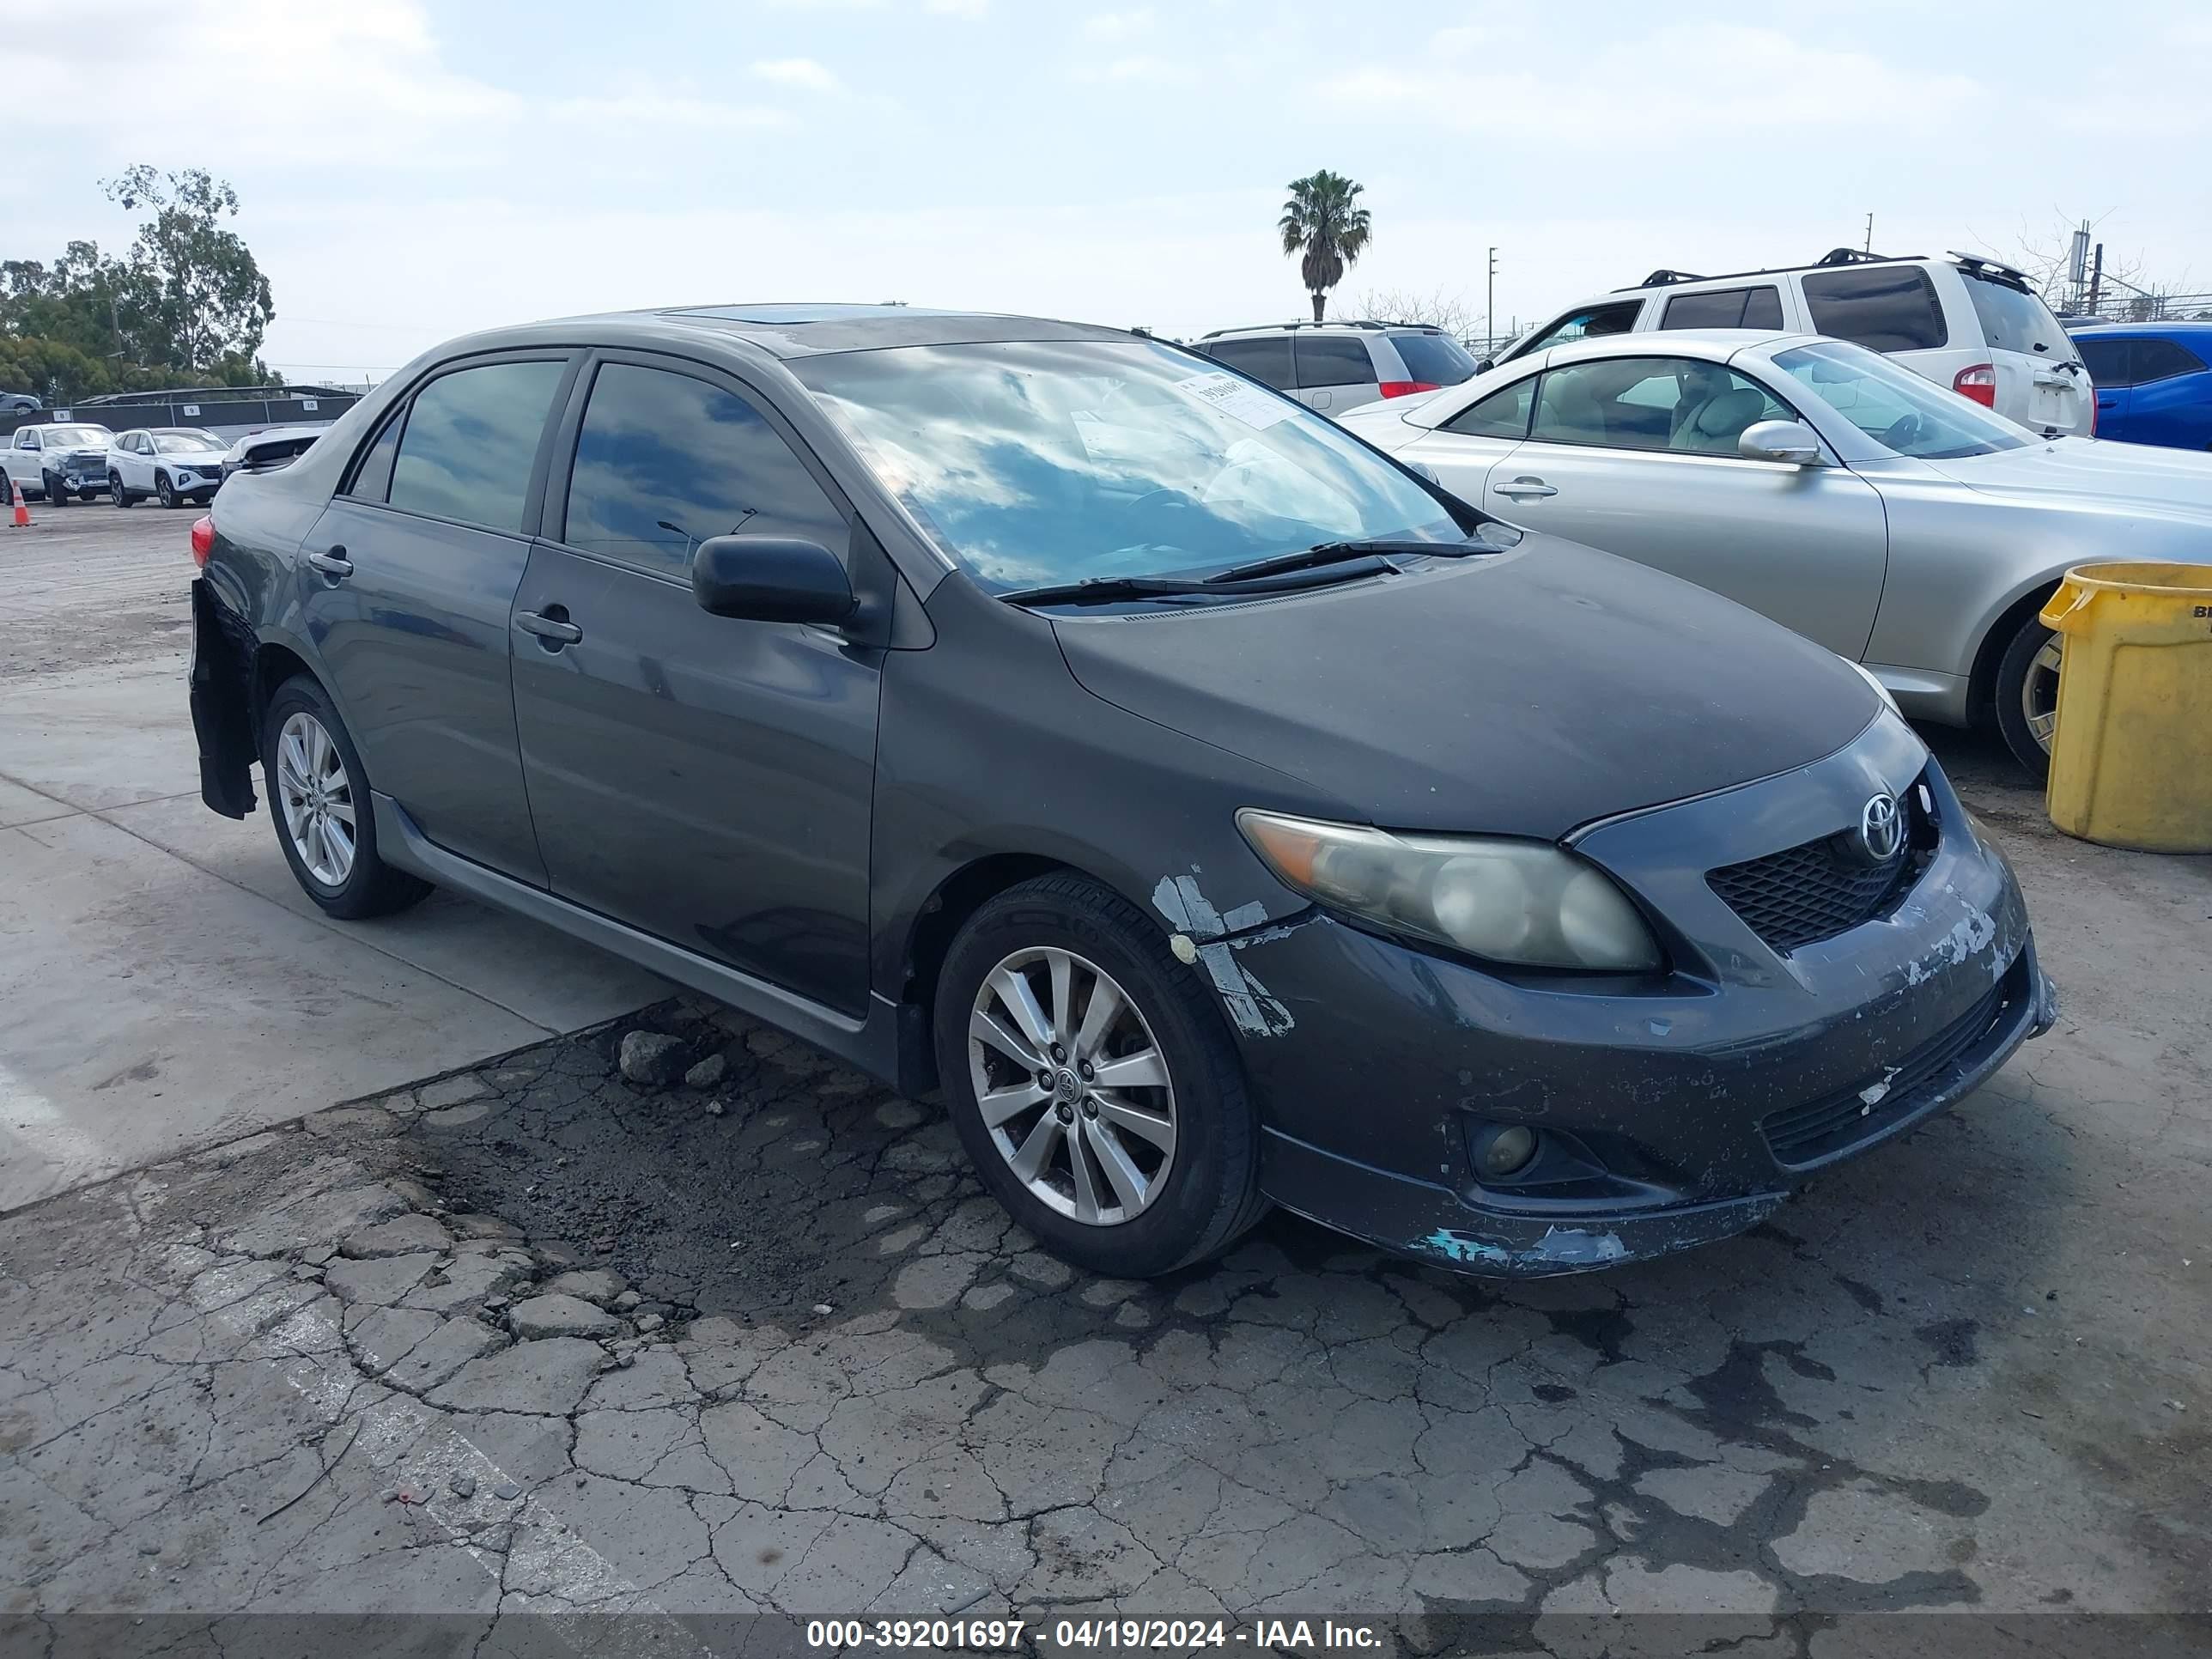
(1074, 1089)
(2039, 693)
(318, 799)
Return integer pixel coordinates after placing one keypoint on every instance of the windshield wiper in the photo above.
(1326, 553)
(1105, 590)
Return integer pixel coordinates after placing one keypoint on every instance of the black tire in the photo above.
(2013, 669)
(1211, 1192)
(116, 492)
(56, 495)
(166, 490)
(371, 887)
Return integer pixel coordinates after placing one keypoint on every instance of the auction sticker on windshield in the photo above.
(1240, 399)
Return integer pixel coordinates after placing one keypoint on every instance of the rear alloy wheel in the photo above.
(1093, 1084)
(166, 490)
(116, 492)
(2027, 695)
(319, 799)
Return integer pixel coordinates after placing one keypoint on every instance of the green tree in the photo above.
(1324, 223)
(208, 300)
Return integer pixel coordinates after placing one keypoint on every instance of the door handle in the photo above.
(1520, 486)
(552, 631)
(2108, 403)
(333, 564)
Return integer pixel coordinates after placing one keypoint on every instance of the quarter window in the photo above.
(1266, 358)
(1726, 307)
(1883, 309)
(372, 480)
(470, 442)
(2161, 360)
(664, 462)
(1501, 415)
(1677, 404)
(1334, 360)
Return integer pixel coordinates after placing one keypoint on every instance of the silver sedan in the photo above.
(1895, 522)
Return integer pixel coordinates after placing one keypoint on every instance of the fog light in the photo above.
(1505, 1151)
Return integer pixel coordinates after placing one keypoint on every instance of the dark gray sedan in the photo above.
(1217, 811)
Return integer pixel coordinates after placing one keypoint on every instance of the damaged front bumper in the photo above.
(1668, 1110)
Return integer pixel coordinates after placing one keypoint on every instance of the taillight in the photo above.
(1405, 388)
(1979, 383)
(202, 540)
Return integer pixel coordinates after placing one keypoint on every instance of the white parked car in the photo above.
(1906, 529)
(59, 461)
(179, 464)
(1967, 323)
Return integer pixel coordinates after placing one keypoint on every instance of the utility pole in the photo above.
(1869, 235)
(1490, 305)
(2096, 278)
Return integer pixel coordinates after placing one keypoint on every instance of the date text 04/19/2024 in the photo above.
(1074, 1635)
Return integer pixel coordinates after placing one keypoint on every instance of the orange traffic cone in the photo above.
(23, 519)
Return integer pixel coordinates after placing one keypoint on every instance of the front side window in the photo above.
(1589, 323)
(1334, 360)
(1725, 307)
(1040, 462)
(1895, 407)
(664, 462)
(1682, 404)
(1501, 415)
(1265, 359)
(1883, 309)
(26, 439)
(470, 442)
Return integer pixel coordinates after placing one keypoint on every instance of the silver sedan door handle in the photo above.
(553, 630)
(1519, 486)
(333, 564)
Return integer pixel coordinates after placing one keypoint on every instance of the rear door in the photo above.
(707, 779)
(2110, 367)
(1334, 371)
(2042, 381)
(407, 582)
(2170, 402)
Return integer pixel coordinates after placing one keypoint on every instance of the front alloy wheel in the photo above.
(168, 491)
(1072, 1086)
(317, 798)
(116, 492)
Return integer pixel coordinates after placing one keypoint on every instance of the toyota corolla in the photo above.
(1215, 810)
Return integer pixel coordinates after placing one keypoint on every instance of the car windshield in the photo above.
(1895, 407)
(1036, 462)
(70, 437)
(183, 438)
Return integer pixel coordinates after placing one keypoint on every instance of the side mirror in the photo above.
(1485, 365)
(771, 578)
(1790, 441)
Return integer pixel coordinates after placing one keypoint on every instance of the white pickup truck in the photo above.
(58, 461)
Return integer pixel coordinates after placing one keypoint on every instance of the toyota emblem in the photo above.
(1881, 828)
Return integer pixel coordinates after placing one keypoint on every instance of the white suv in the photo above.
(1341, 366)
(1963, 322)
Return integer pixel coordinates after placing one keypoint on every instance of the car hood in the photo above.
(2138, 476)
(1521, 693)
(192, 457)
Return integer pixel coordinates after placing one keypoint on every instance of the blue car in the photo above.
(2153, 381)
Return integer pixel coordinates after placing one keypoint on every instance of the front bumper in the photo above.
(1672, 1109)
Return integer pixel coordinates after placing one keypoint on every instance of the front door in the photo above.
(707, 779)
(1637, 456)
(407, 581)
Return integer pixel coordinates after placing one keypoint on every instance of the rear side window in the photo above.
(1587, 323)
(1884, 308)
(1334, 360)
(1434, 359)
(1501, 415)
(664, 462)
(471, 440)
(2012, 318)
(1725, 307)
(372, 479)
(1266, 359)
(2161, 360)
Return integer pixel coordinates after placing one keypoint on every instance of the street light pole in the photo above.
(1490, 305)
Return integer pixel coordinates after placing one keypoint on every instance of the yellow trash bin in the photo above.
(2131, 753)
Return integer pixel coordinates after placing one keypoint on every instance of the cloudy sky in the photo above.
(412, 168)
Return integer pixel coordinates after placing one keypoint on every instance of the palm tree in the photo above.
(1324, 221)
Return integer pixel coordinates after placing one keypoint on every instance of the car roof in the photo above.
(1306, 324)
(786, 330)
(2187, 330)
(1714, 344)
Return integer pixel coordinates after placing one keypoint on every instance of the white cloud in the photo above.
(970, 10)
(1139, 70)
(802, 73)
(1118, 25)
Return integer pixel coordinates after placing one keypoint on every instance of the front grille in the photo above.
(1816, 890)
(1821, 1129)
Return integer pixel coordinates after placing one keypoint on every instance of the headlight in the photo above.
(1880, 689)
(1522, 901)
